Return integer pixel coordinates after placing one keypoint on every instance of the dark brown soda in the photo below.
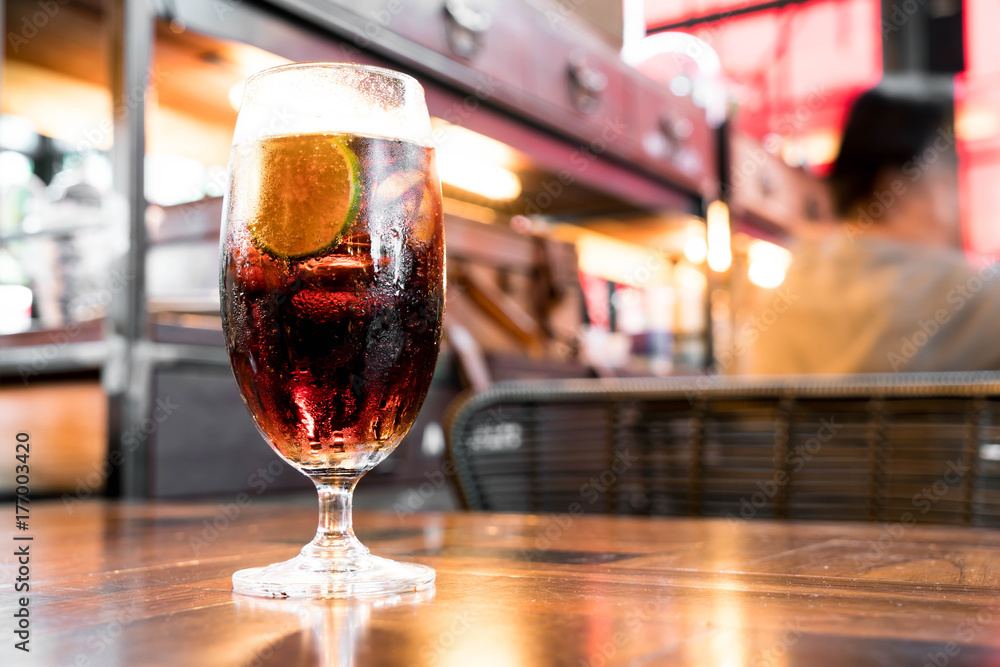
(333, 353)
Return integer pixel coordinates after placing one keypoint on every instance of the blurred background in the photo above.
(625, 187)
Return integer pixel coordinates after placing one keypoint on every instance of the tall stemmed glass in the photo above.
(332, 284)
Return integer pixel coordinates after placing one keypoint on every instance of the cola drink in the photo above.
(332, 289)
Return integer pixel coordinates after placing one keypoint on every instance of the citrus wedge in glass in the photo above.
(309, 194)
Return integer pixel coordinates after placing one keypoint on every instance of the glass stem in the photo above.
(335, 536)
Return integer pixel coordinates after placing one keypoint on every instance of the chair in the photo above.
(897, 448)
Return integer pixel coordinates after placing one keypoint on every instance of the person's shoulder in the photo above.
(943, 263)
(979, 279)
(963, 267)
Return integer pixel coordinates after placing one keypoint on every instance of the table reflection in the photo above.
(320, 632)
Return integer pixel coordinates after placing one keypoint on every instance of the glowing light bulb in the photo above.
(481, 178)
(768, 264)
(696, 247)
(720, 253)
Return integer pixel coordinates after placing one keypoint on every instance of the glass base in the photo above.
(312, 577)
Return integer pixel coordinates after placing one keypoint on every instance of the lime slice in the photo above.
(309, 193)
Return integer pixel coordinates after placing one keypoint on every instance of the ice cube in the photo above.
(398, 183)
(338, 272)
(329, 306)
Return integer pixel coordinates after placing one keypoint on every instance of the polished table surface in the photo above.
(120, 584)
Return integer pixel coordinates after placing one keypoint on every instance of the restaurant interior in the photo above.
(664, 302)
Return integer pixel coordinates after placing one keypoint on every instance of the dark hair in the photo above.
(885, 129)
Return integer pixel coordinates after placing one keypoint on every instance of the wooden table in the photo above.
(117, 584)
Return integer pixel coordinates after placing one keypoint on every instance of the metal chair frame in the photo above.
(896, 447)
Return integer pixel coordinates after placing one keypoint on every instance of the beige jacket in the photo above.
(868, 305)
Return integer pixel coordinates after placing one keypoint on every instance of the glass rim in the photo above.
(321, 64)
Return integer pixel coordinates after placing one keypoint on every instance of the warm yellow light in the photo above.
(695, 246)
(481, 178)
(691, 285)
(768, 264)
(476, 163)
(689, 278)
(613, 259)
(976, 123)
(173, 132)
(457, 140)
(59, 106)
(249, 60)
(815, 148)
(469, 211)
(236, 95)
(822, 147)
(720, 252)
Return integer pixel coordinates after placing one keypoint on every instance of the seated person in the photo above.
(890, 290)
